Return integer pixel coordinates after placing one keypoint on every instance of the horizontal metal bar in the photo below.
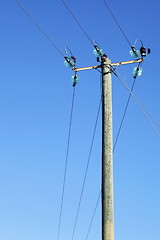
(86, 68)
(112, 64)
(127, 62)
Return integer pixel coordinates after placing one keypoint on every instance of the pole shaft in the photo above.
(107, 153)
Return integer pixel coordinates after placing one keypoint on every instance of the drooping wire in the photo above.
(125, 110)
(39, 28)
(86, 171)
(68, 50)
(66, 163)
(143, 109)
(77, 22)
(138, 40)
(117, 23)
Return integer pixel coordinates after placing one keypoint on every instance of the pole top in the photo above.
(105, 59)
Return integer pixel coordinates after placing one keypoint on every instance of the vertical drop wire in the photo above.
(86, 171)
(66, 162)
(124, 114)
(93, 215)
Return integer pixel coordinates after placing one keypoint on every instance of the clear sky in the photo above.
(35, 103)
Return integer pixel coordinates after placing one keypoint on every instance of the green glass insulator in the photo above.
(69, 62)
(75, 80)
(98, 51)
(137, 71)
(135, 53)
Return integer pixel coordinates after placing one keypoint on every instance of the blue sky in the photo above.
(35, 103)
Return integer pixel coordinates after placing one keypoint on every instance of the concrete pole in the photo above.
(107, 153)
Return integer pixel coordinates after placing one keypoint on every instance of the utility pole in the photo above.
(107, 143)
(107, 152)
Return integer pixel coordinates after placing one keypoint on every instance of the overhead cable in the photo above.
(143, 109)
(117, 23)
(149, 113)
(77, 22)
(66, 163)
(125, 110)
(93, 215)
(129, 97)
(40, 28)
(86, 171)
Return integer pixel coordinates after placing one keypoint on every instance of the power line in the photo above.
(40, 28)
(66, 162)
(93, 215)
(143, 109)
(129, 97)
(86, 171)
(124, 115)
(149, 113)
(77, 22)
(117, 23)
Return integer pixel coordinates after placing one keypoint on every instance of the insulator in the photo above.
(75, 80)
(69, 62)
(137, 71)
(134, 52)
(98, 51)
(143, 51)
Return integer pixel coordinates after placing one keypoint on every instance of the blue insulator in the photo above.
(75, 80)
(69, 62)
(137, 71)
(98, 51)
(135, 53)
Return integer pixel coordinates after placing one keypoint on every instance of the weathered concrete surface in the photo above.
(107, 154)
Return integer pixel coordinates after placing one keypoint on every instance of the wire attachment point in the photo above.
(69, 61)
(137, 71)
(98, 51)
(141, 51)
(134, 52)
(75, 79)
